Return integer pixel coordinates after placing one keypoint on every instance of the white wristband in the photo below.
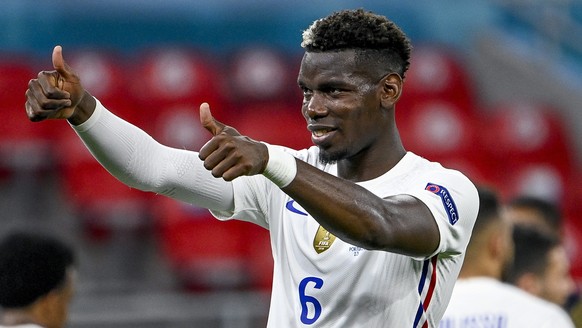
(281, 167)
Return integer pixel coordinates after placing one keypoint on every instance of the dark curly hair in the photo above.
(31, 265)
(374, 37)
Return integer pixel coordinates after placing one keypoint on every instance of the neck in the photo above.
(481, 267)
(17, 317)
(372, 163)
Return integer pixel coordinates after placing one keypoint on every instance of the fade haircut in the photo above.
(489, 208)
(31, 266)
(375, 39)
(532, 248)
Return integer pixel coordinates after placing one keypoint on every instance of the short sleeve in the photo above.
(454, 202)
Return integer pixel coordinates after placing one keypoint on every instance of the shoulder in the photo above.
(451, 187)
(474, 297)
(437, 172)
(529, 302)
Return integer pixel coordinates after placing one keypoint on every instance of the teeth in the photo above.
(321, 133)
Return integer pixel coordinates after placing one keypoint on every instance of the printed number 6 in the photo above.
(304, 299)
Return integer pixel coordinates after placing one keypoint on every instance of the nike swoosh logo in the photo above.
(292, 208)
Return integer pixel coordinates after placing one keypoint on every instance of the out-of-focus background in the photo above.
(494, 90)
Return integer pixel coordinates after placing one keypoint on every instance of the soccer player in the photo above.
(480, 298)
(363, 233)
(37, 279)
(541, 265)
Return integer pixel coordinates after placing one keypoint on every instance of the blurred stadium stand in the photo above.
(494, 90)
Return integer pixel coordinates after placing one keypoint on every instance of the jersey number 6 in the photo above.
(305, 300)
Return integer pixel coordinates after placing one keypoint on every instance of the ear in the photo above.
(391, 89)
(497, 245)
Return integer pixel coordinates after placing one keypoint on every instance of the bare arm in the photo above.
(401, 224)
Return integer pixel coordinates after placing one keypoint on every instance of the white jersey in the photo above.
(341, 285)
(486, 302)
(319, 280)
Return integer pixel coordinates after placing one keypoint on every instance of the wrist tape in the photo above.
(281, 167)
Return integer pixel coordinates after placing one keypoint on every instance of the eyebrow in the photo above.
(326, 84)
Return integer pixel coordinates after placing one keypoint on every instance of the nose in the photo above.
(315, 106)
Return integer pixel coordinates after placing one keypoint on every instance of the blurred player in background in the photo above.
(37, 279)
(363, 233)
(480, 298)
(541, 266)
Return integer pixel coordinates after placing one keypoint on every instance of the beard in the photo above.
(331, 158)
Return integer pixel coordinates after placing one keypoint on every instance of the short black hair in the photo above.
(373, 37)
(31, 265)
(489, 207)
(532, 247)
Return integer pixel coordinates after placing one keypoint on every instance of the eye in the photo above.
(333, 91)
(307, 93)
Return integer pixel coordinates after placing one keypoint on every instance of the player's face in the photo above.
(557, 284)
(341, 105)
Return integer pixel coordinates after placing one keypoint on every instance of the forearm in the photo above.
(137, 160)
(399, 224)
(343, 208)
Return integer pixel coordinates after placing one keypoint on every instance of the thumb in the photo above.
(208, 122)
(59, 63)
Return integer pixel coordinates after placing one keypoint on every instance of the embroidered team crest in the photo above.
(447, 200)
(323, 240)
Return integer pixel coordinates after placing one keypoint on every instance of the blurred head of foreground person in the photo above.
(541, 266)
(37, 277)
(480, 298)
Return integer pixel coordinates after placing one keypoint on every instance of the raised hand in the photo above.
(54, 94)
(229, 154)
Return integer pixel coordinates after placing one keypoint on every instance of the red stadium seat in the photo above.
(438, 129)
(264, 97)
(262, 74)
(207, 254)
(104, 204)
(572, 210)
(538, 179)
(437, 73)
(105, 74)
(24, 145)
(169, 85)
(274, 123)
(523, 132)
(16, 70)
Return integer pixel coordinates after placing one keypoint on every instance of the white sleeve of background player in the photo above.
(454, 202)
(136, 159)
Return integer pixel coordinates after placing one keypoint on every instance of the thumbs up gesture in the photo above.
(229, 154)
(54, 94)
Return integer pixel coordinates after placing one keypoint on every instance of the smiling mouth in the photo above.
(321, 132)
